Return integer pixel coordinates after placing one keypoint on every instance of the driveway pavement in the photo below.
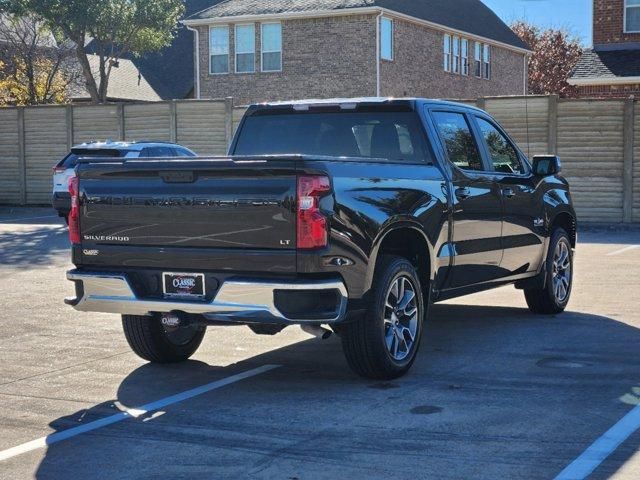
(496, 393)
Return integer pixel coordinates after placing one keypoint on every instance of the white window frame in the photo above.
(236, 52)
(263, 50)
(220, 27)
(391, 39)
(486, 61)
(464, 57)
(456, 55)
(447, 47)
(626, 8)
(477, 59)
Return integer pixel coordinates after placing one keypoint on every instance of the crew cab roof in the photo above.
(354, 103)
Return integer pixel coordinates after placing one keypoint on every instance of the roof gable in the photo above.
(471, 16)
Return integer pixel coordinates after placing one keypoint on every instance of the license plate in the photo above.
(183, 284)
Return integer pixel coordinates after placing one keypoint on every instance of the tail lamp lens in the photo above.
(312, 224)
(74, 213)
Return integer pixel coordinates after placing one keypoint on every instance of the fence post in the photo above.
(121, 121)
(481, 103)
(22, 160)
(69, 115)
(228, 109)
(552, 123)
(173, 116)
(627, 173)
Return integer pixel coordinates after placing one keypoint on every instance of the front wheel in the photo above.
(383, 343)
(151, 340)
(554, 297)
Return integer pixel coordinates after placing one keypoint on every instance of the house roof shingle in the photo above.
(471, 16)
(126, 83)
(607, 64)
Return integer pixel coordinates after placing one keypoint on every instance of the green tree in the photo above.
(116, 27)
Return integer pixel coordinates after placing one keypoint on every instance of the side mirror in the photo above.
(546, 165)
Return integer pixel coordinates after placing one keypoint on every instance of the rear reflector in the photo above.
(74, 213)
(312, 224)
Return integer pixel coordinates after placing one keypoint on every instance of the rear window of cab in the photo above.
(396, 136)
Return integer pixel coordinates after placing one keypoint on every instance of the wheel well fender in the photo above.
(567, 221)
(406, 239)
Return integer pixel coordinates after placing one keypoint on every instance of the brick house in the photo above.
(282, 49)
(611, 69)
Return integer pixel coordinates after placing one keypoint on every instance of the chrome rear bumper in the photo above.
(235, 301)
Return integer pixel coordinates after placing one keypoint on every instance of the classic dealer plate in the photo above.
(183, 284)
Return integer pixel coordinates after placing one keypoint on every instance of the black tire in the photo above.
(547, 300)
(364, 340)
(150, 340)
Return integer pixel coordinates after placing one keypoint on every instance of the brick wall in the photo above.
(417, 69)
(336, 57)
(609, 91)
(323, 57)
(608, 23)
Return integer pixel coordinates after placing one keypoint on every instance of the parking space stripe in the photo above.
(585, 464)
(10, 220)
(623, 250)
(130, 413)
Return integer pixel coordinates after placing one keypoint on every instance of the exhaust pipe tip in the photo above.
(317, 331)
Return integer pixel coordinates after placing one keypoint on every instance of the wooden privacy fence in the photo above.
(598, 141)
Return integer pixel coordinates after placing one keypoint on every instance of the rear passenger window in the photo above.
(504, 156)
(458, 139)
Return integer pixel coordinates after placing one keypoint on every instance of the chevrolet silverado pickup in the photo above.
(348, 216)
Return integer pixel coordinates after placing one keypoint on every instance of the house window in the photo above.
(632, 16)
(386, 38)
(486, 61)
(456, 55)
(219, 50)
(478, 60)
(245, 48)
(464, 48)
(271, 47)
(447, 53)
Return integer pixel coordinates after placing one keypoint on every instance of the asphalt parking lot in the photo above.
(496, 392)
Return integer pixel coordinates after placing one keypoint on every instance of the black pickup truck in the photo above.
(346, 216)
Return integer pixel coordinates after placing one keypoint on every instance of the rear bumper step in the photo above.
(236, 301)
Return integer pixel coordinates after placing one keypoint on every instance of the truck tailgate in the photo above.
(167, 205)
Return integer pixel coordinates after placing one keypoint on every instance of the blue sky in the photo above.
(574, 15)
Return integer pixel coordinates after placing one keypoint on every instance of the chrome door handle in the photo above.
(508, 193)
(463, 193)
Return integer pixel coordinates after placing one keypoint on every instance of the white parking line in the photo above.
(43, 442)
(592, 457)
(623, 250)
(2, 220)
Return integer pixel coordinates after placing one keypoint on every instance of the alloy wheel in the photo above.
(401, 314)
(561, 272)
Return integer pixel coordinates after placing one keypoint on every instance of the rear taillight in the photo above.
(58, 170)
(74, 213)
(312, 224)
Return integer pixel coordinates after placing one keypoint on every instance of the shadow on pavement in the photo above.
(33, 245)
(495, 393)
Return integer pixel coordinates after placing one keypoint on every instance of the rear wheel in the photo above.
(383, 343)
(554, 297)
(158, 343)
